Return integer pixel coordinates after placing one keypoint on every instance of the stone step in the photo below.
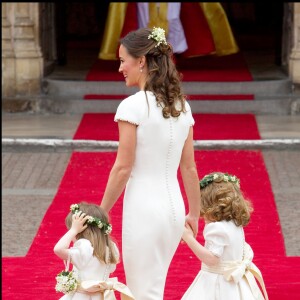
(53, 145)
(77, 89)
(271, 96)
(279, 105)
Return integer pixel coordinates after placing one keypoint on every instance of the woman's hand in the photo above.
(192, 222)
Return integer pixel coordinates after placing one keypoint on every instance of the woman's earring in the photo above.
(141, 69)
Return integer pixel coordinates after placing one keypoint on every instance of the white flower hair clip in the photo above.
(158, 34)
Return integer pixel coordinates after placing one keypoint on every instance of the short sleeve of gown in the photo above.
(189, 114)
(216, 238)
(132, 109)
(81, 253)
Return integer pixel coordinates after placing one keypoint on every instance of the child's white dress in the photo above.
(225, 240)
(88, 267)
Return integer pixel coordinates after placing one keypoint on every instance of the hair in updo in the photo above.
(222, 200)
(163, 78)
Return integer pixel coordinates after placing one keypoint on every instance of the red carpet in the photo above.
(189, 97)
(33, 276)
(207, 68)
(207, 127)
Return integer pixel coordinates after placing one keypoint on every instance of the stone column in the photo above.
(294, 62)
(29, 63)
(8, 56)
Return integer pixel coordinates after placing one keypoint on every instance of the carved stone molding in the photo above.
(7, 48)
(24, 36)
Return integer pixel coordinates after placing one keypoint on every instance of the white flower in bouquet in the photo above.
(66, 282)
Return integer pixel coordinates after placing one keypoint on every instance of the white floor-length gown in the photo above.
(153, 212)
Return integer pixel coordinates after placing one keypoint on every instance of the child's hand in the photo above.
(78, 221)
(187, 233)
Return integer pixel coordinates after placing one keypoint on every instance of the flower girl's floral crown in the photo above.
(207, 179)
(93, 221)
(158, 34)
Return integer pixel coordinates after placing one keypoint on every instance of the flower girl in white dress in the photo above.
(227, 271)
(93, 256)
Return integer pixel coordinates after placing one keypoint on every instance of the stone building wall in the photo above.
(22, 62)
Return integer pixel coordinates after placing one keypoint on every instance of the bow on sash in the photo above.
(235, 270)
(106, 288)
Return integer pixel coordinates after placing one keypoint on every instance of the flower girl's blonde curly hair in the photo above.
(224, 200)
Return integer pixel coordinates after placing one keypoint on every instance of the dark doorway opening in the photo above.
(79, 25)
(256, 26)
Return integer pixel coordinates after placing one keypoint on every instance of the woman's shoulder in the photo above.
(132, 108)
(187, 112)
(187, 106)
(135, 101)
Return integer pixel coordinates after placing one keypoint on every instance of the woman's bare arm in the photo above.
(122, 167)
(190, 179)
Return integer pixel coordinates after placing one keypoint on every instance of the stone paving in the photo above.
(284, 173)
(30, 181)
(29, 184)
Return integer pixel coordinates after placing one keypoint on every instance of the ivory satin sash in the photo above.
(236, 270)
(105, 289)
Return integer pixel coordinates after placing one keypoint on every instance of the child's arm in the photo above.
(62, 246)
(201, 252)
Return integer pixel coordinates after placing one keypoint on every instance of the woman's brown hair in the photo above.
(163, 78)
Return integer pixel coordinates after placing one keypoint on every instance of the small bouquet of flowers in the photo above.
(66, 282)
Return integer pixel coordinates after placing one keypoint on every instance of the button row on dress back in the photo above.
(167, 169)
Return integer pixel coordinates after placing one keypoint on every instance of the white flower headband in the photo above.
(158, 34)
(106, 227)
(207, 179)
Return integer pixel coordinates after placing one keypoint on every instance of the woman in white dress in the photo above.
(155, 138)
(227, 270)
